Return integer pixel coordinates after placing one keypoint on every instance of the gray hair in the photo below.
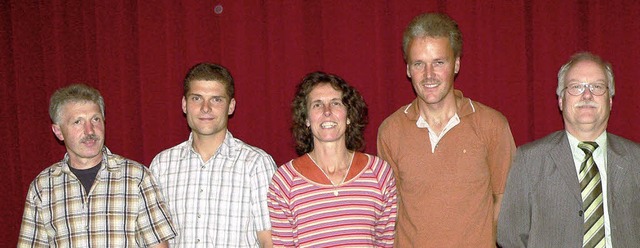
(586, 56)
(433, 25)
(73, 93)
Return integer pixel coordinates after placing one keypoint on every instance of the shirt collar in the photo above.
(225, 147)
(601, 141)
(465, 107)
(113, 162)
(578, 154)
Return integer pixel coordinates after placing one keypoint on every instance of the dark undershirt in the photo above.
(86, 176)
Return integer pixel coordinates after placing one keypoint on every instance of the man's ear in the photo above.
(560, 103)
(232, 106)
(56, 130)
(408, 72)
(610, 103)
(184, 105)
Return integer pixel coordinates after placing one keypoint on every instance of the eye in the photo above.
(217, 99)
(336, 103)
(418, 65)
(97, 119)
(439, 62)
(195, 98)
(77, 122)
(315, 105)
(598, 86)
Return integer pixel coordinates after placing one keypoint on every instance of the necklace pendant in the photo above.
(335, 192)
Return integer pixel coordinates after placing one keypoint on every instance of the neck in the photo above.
(330, 160)
(207, 145)
(438, 114)
(84, 163)
(585, 133)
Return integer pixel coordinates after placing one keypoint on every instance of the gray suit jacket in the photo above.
(542, 205)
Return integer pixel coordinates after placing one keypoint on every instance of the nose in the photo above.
(587, 92)
(88, 127)
(327, 110)
(428, 71)
(206, 107)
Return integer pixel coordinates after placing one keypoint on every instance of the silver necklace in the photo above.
(335, 186)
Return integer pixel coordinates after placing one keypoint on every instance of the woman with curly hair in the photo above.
(333, 194)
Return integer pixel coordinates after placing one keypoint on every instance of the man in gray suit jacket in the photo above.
(547, 202)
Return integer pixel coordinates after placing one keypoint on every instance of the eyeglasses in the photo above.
(596, 89)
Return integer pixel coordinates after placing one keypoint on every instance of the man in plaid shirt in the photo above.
(215, 184)
(92, 198)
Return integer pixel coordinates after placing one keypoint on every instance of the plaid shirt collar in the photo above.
(225, 149)
(113, 163)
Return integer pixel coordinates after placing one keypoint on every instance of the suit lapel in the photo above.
(563, 160)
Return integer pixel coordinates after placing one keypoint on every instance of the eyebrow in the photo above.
(200, 95)
(602, 81)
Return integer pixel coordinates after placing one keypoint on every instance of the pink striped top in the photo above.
(305, 213)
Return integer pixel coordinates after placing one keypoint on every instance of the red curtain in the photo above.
(137, 52)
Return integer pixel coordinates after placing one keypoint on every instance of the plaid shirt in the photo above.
(124, 208)
(218, 203)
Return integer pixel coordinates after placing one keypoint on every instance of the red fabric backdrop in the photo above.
(137, 52)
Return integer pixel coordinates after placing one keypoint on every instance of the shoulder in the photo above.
(249, 151)
(249, 148)
(623, 141)
(543, 145)
(45, 175)
(253, 157)
(174, 151)
(372, 159)
(623, 146)
(396, 119)
(486, 113)
(287, 167)
(285, 172)
(376, 163)
(129, 167)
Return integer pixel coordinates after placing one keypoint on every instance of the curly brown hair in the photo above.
(357, 111)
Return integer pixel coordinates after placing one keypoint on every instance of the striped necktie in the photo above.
(591, 187)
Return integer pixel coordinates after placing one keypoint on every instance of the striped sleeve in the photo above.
(281, 228)
(385, 224)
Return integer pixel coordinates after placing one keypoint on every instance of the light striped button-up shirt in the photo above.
(217, 203)
(124, 208)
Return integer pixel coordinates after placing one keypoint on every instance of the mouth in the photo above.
(430, 84)
(328, 124)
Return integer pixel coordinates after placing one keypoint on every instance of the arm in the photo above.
(385, 224)
(501, 152)
(32, 230)
(263, 170)
(514, 220)
(497, 202)
(280, 214)
(264, 239)
(383, 146)
(153, 224)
